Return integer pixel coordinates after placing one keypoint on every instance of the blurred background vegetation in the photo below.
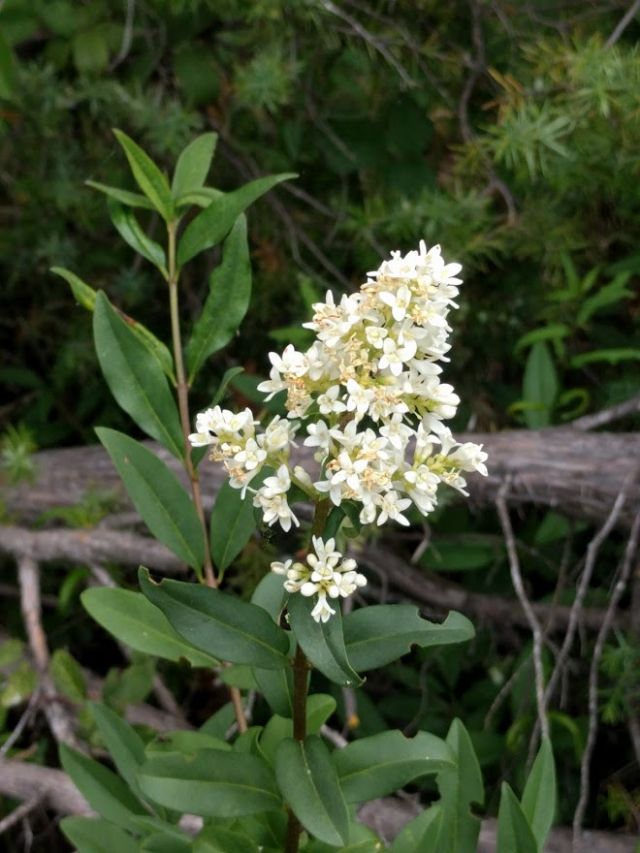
(508, 132)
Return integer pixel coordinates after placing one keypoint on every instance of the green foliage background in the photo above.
(508, 134)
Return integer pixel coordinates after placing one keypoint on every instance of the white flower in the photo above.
(252, 456)
(391, 506)
(398, 301)
(278, 485)
(322, 612)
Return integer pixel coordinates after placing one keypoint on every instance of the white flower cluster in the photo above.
(369, 396)
(325, 574)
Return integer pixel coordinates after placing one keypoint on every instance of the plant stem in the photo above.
(300, 685)
(182, 389)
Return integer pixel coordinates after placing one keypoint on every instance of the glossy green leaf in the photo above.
(148, 176)
(220, 624)
(381, 633)
(227, 301)
(323, 644)
(135, 377)
(360, 839)
(277, 689)
(138, 624)
(158, 496)
(219, 723)
(422, 834)
(460, 788)
(320, 706)
(125, 197)
(105, 792)
(270, 595)
(129, 229)
(310, 786)
(232, 525)
(539, 386)
(376, 766)
(514, 832)
(95, 835)
(212, 783)
(125, 745)
(193, 165)
(540, 793)
(215, 221)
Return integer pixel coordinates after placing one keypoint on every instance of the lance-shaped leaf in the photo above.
(95, 835)
(540, 792)
(135, 378)
(227, 301)
(215, 222)
(514, 832)
(104, 791)
(322, 643)
(277, 689)
(310, 786)
(158, 496)
(86, 297)
(218, 839)
(460, 788)
(125, 745)
(148, 176)
(375, 766)
(129, 229)
(421, 835)
(133, 620)
(232, 524)
(193, 165)
(125, 197)
(213, 783)
(220, 624)
(377, 635)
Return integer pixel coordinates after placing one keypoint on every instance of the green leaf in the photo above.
(212, 783)
(135, 377)
(158, 496)
(215, 222)
(422, 834)
(539, 386)
(277, 689)
(95, 835)
(184, 741)
(554, 332)
(217, 839)
(539, 797)
(104, 791)
(322, 643)
(320, 706)
(125, 745)
(270, 595)
(375, 766)
(125, 197)
(606, 296)
(224, 383)
(129, 229)
(360, 840)
(310, 786)
(220, 624)
(148, 177)
(90, 50)
(227, 301)
(610, 356)
(514, 832)
(201, 198)
(85, 295)
(459, 788)
(138, 624)
(193, 165)
(67, 676)
(232, 525)
(377, 635)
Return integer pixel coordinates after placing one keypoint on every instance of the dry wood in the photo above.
(578, 472)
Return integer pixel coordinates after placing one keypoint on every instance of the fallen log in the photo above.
(579, 473)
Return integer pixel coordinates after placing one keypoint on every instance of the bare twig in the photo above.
(623, 23)
(127, 35)
(534, 624)
(607, 416)
(21, 811)
(23, 722)
(619, 589)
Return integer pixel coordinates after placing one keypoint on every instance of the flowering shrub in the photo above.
(367, 398)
